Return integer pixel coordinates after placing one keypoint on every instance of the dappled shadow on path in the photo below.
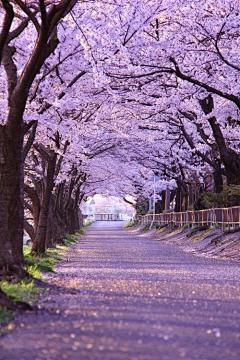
(123, 297)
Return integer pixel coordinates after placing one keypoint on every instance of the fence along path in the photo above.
(226, 217)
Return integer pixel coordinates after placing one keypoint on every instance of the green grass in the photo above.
(37, 264)
(130, 224)
(34, 271)
(24, 290)
(88, 223)
(73, 238)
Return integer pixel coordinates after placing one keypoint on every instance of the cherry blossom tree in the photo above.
(28, 37)
(104, 96)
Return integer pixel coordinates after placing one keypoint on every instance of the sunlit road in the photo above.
(124, 297)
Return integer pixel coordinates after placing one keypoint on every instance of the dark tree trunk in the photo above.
(12, 133)
(6, 257)
(29, 229)
(167, 199)
(34, 198)
(217, 175)
(181, 196)
(11, 183)
(39, 244)
(230, 158)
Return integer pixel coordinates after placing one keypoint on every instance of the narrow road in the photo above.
(126, 297)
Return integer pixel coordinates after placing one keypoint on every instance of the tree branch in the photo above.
(27, 146)
(63, 93)
(207, 87)
(57, 12)
(46, 153)
(28, 12)
(9, 16)
(29, 229)
(219, 51)
(10, 68)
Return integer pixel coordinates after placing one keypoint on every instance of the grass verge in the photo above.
(38, 264)
(130, 224)
(26, 290)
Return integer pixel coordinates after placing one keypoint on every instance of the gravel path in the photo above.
(126, 297)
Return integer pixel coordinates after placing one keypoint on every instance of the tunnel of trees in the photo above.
(98, 97)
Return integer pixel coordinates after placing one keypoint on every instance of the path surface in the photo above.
(125, 297)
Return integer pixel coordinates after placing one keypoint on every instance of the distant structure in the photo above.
(107, 208)
(108, 217)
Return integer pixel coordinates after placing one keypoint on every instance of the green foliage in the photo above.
(88, 223)
(222, 199)
(130, 224)
(234, 190)
(55, 253)
(141, 209)
(142, 206)
(24, 290)
(34, 271)
(36, 264)
(216, 200)
(73, 238)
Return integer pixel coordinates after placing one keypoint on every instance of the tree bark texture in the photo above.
(229, 158)
(39, 244)
(6, 257)
(11, 182)
(12, 133)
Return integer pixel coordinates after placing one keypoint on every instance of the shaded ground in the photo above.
(212, 243)
(125, 297)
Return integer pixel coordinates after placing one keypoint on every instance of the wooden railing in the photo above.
(226, 217)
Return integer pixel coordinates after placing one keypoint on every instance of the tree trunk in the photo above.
(167, 199)
(181, 196)
(39, 244)
(230, 159)
(11, 134)
(217, 175)
(29, 229)
(6, 257)
(11, 183)
(34, 198)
